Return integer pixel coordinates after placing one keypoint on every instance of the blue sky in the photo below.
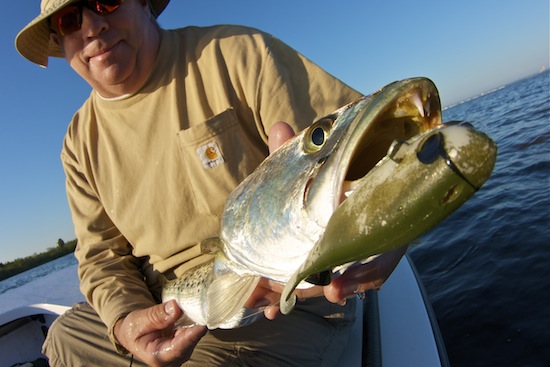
(466, 47)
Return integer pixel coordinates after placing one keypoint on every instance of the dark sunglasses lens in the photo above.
(67, 20)
(104, 6)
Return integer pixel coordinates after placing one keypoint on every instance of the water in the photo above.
(486, 267)
(54, 282)
(28, 276)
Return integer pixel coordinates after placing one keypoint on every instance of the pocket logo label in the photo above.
(210, 155)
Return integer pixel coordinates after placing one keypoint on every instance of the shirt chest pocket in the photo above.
(218, 154)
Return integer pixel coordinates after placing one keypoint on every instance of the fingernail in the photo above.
(169, 308)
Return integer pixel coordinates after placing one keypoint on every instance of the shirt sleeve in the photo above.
(296, 90)
(110, 276)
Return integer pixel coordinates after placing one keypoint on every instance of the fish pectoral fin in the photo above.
(227, 295)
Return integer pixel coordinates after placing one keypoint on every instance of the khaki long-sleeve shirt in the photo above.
(148, 174)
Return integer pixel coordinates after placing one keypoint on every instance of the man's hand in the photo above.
(149, 334)
(361, 278)
(279, 133)
(355, 280)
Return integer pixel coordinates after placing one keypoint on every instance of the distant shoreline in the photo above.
(21, 265)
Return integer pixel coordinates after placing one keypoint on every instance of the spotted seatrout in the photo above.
(369, 178)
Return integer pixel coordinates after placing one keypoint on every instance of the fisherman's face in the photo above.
(115, 52)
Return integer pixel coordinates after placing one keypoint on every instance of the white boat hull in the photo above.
(23, 330)
(396, 327)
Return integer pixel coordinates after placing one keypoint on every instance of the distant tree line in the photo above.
(17, 266)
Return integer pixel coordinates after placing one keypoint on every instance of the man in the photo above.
(142, 196)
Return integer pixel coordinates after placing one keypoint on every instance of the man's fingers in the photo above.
(263, 295)
(182, 344)
(271, 312)
(354, 280)
(279, 133)
(159, 317)
(155, 341)
(361, 278)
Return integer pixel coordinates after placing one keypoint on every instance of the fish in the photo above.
(333, 196)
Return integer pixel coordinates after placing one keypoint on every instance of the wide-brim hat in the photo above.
(33, 42)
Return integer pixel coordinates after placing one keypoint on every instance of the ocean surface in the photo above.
(487, 267)
(20, 280)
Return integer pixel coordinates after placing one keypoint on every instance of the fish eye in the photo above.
(317, 135)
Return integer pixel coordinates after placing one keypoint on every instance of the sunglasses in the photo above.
(69, 19)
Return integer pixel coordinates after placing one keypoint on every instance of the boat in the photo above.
(23, 331)
(394, 327)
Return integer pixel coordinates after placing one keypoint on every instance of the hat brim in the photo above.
(33, 42)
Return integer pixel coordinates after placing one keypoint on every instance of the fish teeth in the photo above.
(428, 107)
(417, 101)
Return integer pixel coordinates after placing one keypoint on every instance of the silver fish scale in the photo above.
(190, 291)
(253, 238)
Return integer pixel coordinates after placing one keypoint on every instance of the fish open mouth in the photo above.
(395, 115)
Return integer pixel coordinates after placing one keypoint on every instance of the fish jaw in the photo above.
(416, 186)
